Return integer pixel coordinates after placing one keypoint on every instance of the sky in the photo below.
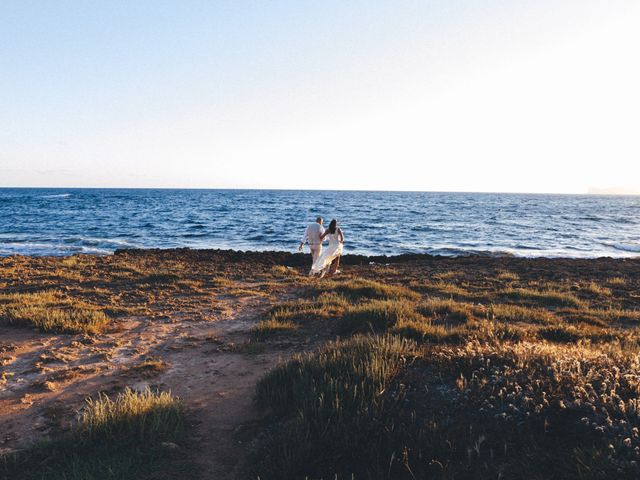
(485, 95)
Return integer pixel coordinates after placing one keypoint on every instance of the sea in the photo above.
(35, 221)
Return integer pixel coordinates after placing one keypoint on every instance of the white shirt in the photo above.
(313, 233)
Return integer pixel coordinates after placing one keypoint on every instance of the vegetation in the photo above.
(553, 298)
(51, 311)
(362, 288)
(532, 380)
(137, 435)
(467, 368)
(329, 402)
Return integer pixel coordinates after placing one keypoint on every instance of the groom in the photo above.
(313, 235)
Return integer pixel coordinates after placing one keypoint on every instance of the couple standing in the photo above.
(329, 259)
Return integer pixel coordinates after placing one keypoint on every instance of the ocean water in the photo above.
(99, 221)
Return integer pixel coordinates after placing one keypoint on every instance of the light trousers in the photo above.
(316, 250)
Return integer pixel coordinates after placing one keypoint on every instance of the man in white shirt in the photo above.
(313, 235)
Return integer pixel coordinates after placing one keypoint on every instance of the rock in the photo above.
(169, 446)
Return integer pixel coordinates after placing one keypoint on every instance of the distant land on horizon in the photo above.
(613, 191)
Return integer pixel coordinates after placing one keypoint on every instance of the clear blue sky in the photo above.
(416, 95)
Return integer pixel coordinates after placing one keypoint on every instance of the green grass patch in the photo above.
(135, 435)
(324, 404)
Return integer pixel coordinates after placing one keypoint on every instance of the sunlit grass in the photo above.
(51, 311)
(441, 288)
(271, 327)
(115, 439)
(552, 298)
(378, 316)
(361, 288)
(596, 289)
(447, 310)
(519, 314)
(508, 276)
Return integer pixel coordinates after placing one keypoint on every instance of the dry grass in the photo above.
(447, 311)
(289, 316)
(378, 316)
(596, 289)
(148, 367)
(52, 311)
(519, 314)
(324, 404)
(133, 417)
(503, 407)
(359, 288)
(548, 297)
(271, 327)
(448, 275)
(498, 368)
(508, 276)
(115, 439)
(531, 380)
(441, 288)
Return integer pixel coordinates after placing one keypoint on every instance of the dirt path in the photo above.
(44, 379)
(216, 376)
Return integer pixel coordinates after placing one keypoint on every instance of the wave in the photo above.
(194, 235)
(57, 195)
(466, 252)
(625, 247)
(97, 241)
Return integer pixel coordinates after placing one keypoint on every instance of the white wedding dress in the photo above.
(327, 256)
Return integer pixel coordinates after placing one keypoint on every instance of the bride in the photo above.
(332, 253)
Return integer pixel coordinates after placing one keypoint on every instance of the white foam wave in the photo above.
(626, 247)
(57, 195)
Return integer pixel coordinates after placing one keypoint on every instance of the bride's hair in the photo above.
(333, 226)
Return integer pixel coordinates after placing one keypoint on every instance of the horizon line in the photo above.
(283, 189)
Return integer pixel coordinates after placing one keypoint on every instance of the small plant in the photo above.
(132, 418)
(114, 439)
(271, 327)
